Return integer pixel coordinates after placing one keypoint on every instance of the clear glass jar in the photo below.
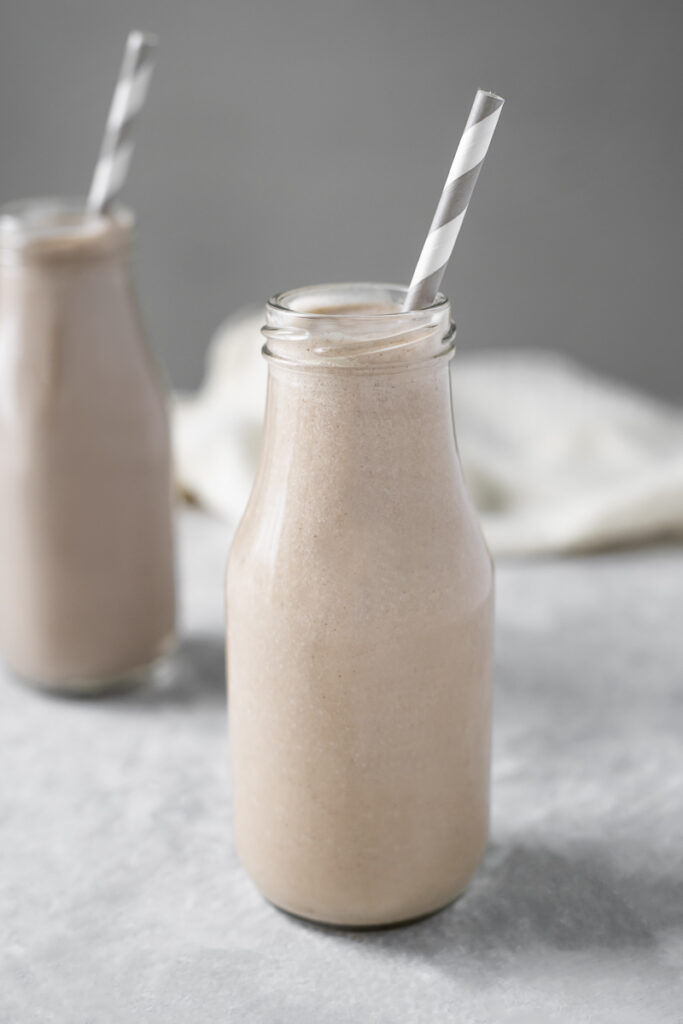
(87, 597)
(360, 617)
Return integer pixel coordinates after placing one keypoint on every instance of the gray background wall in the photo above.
(304, 140)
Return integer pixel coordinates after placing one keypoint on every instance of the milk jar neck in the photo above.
(349, 368)
(355, 328)
(67, 290)
(54, 234)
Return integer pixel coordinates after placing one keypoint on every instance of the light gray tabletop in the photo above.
(121, 898)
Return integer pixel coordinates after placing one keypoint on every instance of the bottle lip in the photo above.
(54, 226)
(357, 326)
(357, 300)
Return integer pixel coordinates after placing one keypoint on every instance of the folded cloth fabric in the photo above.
(556, 458)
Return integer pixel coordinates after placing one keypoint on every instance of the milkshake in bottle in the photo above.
(359, 611)
(87, 581)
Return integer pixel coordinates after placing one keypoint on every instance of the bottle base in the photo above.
(378, 926)
(383, 912)
(107, 684)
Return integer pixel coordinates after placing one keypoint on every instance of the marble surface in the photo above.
(121, 898)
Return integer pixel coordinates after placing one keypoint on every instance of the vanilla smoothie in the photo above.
(360, 614)
(86, 549)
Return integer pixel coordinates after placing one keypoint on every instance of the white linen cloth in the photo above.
(556, 458)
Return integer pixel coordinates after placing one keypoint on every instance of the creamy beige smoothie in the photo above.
(360, 612)
(86, 549)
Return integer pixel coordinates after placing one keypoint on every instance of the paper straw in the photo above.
(454, 200)
(129, 98)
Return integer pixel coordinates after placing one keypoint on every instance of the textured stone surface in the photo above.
(121, 898)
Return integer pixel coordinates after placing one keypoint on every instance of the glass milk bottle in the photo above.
(360, 615)
(87, 583)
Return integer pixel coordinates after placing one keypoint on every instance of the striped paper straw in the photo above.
(128, 100)
(454, 200)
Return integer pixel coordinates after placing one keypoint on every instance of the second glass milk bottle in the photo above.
(87, 584)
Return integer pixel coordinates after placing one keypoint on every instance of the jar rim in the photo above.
(282, 302)
(355, 326)
(58, 222)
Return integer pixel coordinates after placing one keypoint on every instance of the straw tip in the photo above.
(491, 95)
(138, 39)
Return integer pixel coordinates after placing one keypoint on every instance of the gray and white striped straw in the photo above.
(454, 200)
(128, 100)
